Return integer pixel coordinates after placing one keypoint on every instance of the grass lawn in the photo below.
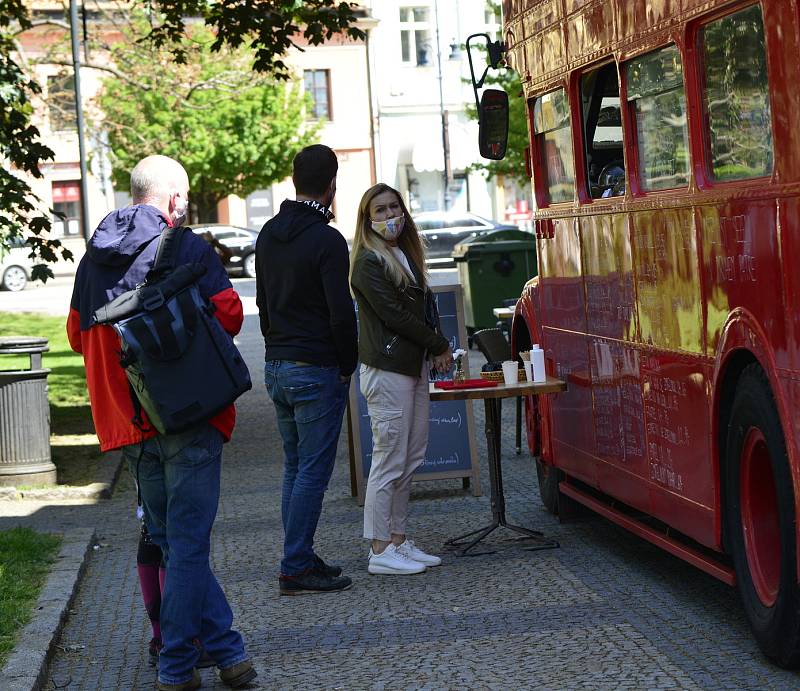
(74, 446)
(25, 559)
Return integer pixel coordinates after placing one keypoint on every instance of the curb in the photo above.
(96, 490)
(26, 669)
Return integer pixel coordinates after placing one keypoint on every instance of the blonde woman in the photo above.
(399, 332)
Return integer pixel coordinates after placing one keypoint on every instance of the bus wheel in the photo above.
(760, 519)
(549, 476)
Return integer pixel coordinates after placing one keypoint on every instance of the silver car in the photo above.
(15, 266)
(442, 230)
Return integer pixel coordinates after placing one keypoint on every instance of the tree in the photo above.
(269, 28)
(233, 131)
(20, 147)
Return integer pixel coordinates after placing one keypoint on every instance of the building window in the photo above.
(415, 35)
(737, 96)
(655, 90)
(67, 208)
(493, 19)
(317, 86)
(551, 127)
(61, 102)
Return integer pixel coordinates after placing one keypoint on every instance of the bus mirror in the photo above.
(493, 124)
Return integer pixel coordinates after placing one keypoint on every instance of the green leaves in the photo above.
(269, 27)
(234, 131)
(248, 138)
(20, 209)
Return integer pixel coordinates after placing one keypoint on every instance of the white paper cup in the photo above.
(510, 369)
(528, 369)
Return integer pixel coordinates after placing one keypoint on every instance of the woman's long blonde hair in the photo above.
(368, 240)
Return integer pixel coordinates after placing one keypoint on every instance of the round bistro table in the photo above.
(491, 397)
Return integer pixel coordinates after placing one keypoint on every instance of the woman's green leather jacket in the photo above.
(396, 325)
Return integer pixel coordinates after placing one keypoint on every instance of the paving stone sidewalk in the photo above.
(605, 611)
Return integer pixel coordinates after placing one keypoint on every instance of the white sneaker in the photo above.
(393, 562)
(413, 552)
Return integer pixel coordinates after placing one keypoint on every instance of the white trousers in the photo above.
(398, 409)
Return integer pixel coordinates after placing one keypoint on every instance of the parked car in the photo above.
(442, 230)
(236, 246)
(15, 266)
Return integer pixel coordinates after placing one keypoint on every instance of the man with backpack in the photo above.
(178, 475)
(309, 327)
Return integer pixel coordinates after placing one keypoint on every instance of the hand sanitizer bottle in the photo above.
(537, 364)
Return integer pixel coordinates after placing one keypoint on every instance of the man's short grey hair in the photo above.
(154, 176)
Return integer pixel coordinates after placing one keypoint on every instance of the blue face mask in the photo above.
(389, 229)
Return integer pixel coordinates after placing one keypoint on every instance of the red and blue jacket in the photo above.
(118, 256)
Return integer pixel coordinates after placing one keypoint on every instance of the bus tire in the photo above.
(761, 519)
(549, 476)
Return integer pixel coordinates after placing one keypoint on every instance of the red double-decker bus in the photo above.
(665, 149)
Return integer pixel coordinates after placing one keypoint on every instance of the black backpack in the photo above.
(182, 366)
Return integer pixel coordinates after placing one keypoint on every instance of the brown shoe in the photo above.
(237, 675)
(194, 683)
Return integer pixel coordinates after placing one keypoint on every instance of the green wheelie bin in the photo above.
(492, 269)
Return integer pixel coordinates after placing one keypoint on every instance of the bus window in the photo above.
(551, 127)
(737, 96)
(602, 130)
(655, 92)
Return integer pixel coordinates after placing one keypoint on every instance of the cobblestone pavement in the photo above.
(605, 611)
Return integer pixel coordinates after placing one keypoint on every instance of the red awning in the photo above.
(66, 191)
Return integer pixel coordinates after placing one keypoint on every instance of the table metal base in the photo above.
(493, 410)
(540, 541)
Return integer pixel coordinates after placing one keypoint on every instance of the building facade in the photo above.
(387, 106)
(333, 74)
(421, 90)
(335, 77)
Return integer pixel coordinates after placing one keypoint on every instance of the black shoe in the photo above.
(331, 570)
(312, 581)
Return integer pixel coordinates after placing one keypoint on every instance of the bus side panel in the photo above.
(616, 385)
(668, 280)
(742, 263)
(674, 381)
(789, 219)
(563, 312)
(789, 223)
(571, 411)
(676, 393)
(619, 421)
(560, 279)
(590, 29)
(608, 274)
(637, 16)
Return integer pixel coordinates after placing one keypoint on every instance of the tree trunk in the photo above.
(203, 208)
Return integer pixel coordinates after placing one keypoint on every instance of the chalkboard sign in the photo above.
(451, 437)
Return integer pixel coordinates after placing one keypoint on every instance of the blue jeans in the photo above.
(309, 402)
(179, 480)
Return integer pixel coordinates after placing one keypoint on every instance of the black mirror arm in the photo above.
(495, 50)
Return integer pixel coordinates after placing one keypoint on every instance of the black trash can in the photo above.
(492, 269)
(25, 416)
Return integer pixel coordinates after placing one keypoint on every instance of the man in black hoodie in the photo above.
(309, 327)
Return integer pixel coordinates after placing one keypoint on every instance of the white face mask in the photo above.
(179, 211)
(389, 229)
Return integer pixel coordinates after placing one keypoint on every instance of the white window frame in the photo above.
(412, 27)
